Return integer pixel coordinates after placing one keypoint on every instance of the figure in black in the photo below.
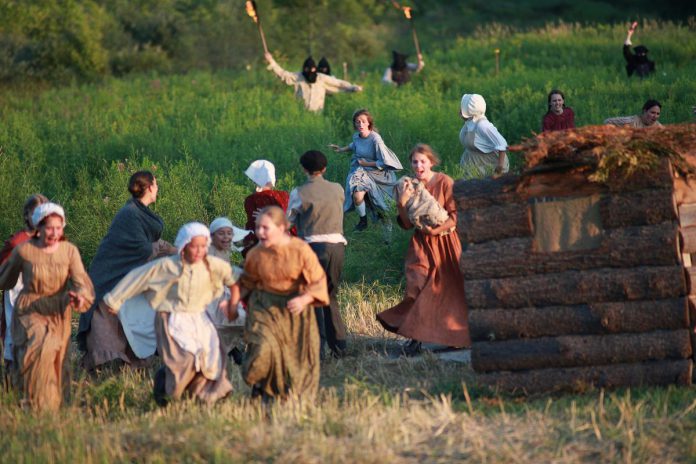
(637, 61)
(399, 73)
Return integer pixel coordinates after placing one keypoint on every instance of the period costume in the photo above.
(554, 122)
(377, 181)
(481, 140)
(10, 296)
(316, 209)
(312, 87)
(179, 292)
(262, 173)
(399, 73)
(42, 315)
(433, 309)
(130, 242)
(637, 62)
(634, 121)
(282, 357)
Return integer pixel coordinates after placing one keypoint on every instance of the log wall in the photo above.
(616, 315)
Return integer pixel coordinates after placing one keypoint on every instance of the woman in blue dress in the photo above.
(371, 179)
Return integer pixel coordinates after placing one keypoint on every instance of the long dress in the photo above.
(282, 356)
(194, 359)
(127, 245)
(10, 296)
(433, 309)
(41, 319)
(257, 201)
(230, 332)
(378, 182)
(482, 142)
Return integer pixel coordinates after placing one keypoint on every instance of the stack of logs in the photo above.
(616, 315)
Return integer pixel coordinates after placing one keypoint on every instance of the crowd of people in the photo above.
(277, 316)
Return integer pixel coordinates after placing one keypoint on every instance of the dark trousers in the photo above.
(332, 329)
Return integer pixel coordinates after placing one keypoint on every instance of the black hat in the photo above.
(313, 161)
(323, 66)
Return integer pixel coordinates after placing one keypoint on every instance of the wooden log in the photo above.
(579, 379)
(587, 319)
(643, 207)
(577, 287)
(494, 223)
(580, 350)
(627, 247)
(687, 239)
(482, 193)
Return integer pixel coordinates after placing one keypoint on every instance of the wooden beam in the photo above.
(580, 350)
(626, 247)
(579, 379)
(577, 287)
(643, 207)
(586, 319)
(477, 225)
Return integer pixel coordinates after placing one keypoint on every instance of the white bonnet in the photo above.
(187, 232)
(44, 210)
(222, 222)
(473, 106)
(261, 172)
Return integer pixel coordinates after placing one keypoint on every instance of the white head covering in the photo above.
(473, 106)
(44, 210)
(187, 232)
(222, 222)
(261, 172)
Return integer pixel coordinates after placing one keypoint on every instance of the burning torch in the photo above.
(407, 13)
(254, 14)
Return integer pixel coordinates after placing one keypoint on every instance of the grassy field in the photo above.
(199, 131)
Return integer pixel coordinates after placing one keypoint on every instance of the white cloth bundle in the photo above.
(423, 209)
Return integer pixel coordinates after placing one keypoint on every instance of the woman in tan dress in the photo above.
(283, 278)
(55, 283)
(433, 309)
(179, 288)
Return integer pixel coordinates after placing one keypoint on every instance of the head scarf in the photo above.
(309, 70)
(473, 106)
(323, 66)
(188, 232)
(261, 172)
(44, 210)
(222, 222)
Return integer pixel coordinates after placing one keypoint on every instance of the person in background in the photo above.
(55, 284)
(400, 71)
(434, 308)
(371, 179)
(647, 118)
(133, 238)
(316, 209)
(179, 288)
(323, 66)
(637, 62)
(10, 296)
(283, 280)
(484, 147)
(558, 116)
(262, 173)
(310, 85)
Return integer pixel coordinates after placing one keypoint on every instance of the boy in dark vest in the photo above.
(316, 210)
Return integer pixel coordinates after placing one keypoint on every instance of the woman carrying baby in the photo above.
(433, 309)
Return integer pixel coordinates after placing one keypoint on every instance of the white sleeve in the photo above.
(294, 205)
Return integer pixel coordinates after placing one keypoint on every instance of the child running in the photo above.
(179, 288)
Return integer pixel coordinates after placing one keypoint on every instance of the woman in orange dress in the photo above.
(433, 309)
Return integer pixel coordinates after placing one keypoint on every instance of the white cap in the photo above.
(473, 106)
(188, 232)
(222, 222)
(44, 210)
(261, 172)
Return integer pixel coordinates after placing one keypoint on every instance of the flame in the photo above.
(407, 11)
(251, 10)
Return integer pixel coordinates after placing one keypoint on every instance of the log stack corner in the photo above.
(620, 312)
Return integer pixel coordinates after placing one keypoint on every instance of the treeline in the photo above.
(82, 40)
(66, 40)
